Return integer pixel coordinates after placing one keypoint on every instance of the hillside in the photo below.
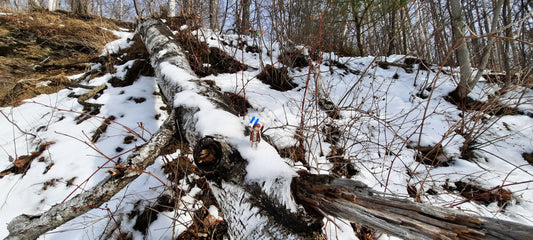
(42, 47)
(385, 121)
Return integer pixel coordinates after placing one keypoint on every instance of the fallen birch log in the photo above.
(250, 212)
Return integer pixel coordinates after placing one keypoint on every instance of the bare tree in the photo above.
(172, 8)
(52, 5)
(461, 49)
(244, 21)
(213, 14)
(80, 7)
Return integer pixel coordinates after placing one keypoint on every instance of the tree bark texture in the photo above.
(213, 14)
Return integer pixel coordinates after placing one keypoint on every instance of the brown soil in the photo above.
(432, 155)
(38, 49)
(528, 157)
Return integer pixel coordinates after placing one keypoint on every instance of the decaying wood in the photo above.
(352, 200)
(32, 226)
(245, 203)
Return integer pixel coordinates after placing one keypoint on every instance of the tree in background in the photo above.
(213, 14)
(80, 7)
(488, 34)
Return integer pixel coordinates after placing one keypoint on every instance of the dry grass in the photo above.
(42, 45)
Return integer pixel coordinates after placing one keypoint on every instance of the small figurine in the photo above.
(255, 136)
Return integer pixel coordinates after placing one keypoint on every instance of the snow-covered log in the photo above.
(32, 226)
(202, 111)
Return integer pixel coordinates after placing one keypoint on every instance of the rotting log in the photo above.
(354, 201)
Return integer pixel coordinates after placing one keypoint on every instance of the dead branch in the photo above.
(32, 226)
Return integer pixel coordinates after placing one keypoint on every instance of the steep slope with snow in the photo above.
(387, 125)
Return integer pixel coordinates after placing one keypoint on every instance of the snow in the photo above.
(381, 115)
(125, 40)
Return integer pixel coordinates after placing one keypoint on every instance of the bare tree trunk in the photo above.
(135, 5)
(213, 14)
(466, 83)
(51, 5)
(172, 12)
(488, 48)
(80, 7)
(245, 19)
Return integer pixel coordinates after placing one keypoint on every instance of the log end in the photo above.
(207, 154)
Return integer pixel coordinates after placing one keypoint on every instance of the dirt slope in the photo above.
(38, 49)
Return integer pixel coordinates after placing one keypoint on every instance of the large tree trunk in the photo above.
(80, 7)
(244, 25)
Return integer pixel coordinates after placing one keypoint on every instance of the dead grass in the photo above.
(46, 45)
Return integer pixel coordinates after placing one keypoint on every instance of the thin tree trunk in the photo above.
(466, 83)
(172, 8)
(135, 5)
(488, 49)
(51, 5)
(245, 19)
(213, 14)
